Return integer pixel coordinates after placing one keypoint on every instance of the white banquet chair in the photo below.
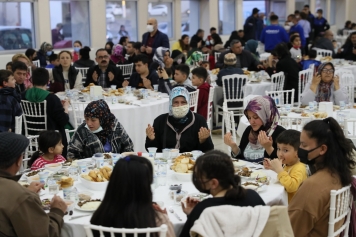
(161, 230)
(350, 128)
(340, 208)
(32, 148)
(193, 101)
(205, 57)
(216, 55)
(37, 63)
(34, 114)
(209, 120)
(68, 132)
(347, 84)
(78, 113)
(30, 70)
(277, 81)
(282, 97)
(304, 77)
(294, 123)
(126, 69)
(323, 52)
(83, 71)
(18, 124)
(229, 126)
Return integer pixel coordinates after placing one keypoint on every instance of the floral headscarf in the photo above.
(158, 57)
(323, 92)
(117, 54)
(195, 58)
(44, 46)
(175, 92)
(266, 109)
(99, 109)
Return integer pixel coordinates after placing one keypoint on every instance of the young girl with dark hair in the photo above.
(214, 174)
(328, 153)
(50, 150)
(128, 199)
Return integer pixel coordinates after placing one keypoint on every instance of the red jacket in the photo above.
(203, 99)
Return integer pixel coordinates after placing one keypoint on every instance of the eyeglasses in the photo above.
(328, 70)
(103, 57)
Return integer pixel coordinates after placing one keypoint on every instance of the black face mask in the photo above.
(199, 185)
(303, 156)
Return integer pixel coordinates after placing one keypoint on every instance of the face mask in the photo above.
(96, 131)
(49, 53)
(290, 23)
(76, 49)
(287, 28)
(149, 28)
(180, 112)
(211, 42)
(198, 185)
(207, 43)
(303, 156)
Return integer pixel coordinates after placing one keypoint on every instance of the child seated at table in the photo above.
(50, 150)
(199, 76)
(291, 172)
(296, 51)
(306, 63)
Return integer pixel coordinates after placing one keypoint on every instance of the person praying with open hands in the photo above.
(325, 86)
(180, 128)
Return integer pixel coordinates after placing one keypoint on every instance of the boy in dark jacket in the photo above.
(9, 102)
(200, 74)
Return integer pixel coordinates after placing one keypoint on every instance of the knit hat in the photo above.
(230, 59)
(11, 146)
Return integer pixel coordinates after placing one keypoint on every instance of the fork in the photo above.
(175, 214)
(76, 217)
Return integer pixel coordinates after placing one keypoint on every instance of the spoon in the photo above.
(170, 209)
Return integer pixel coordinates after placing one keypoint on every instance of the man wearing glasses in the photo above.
(104, 74)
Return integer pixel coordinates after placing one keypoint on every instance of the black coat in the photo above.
(291, 71)
(58, 78)
(84, 63)
(250, 28)
(118, 79)
(246, 60)
(165, 136)
(135, 79)
(347, 54)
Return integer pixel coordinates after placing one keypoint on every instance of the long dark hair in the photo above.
(282, 50)
(218, 165)
(181, 43)
(128, 199)
(338, 157)
(46, 140)
(216, 38)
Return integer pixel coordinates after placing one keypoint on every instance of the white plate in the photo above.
(85, 210)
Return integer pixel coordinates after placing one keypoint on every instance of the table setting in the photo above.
(258, 83)
(82, 184)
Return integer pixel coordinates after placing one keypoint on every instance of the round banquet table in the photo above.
(273, 195)
(135, 118)
(257, 88)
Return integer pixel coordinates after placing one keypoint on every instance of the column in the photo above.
(239, 15)
(97, 24)
(142, 16)
(290, 7)
(42, 22)
(177, 16)
(312, 6)
(213, 15)
(328, 10)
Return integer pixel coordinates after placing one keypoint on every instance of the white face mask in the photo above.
(180, 112)
(149, 28)
(96, 131)
(290, 23)
(287, 27)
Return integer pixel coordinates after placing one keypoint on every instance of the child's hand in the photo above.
(276, 165)
(267, 164)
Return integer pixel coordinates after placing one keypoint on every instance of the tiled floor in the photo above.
(219, 142)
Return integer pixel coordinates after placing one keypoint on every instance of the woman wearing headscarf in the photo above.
(100, 133)
(180, 128)
(117, 56)
(45, 51)
(162, 58)
(195, 59)
(259, 139)
(325, 86)
(251, 46)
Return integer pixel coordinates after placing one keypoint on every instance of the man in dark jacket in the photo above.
(103, 74)
(153, 39)
(348, 50)
(244, 58)
(250, 26)
(19, 69)
(325, 42)
(320, 24)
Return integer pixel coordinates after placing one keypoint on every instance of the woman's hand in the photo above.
(315, 82)
(162, 73)
(336, 80)
(276, 165)
(189, 206)
(150, 132)
(267, 164)
(265, 141)
(203, 134)
(158, 208)
(228, 141)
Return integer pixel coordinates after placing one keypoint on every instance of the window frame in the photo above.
(172, 17)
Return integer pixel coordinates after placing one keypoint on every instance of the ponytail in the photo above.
(237, 191)
(33, 158)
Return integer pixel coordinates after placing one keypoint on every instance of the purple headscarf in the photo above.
(117, 54)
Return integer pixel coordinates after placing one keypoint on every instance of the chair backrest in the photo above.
(347, 83)
(162, 230)
(30, 70)
(277, 80)
(32, 148)
(205, 57)
(78, 112)
(68, 134)
(294, 123)
(304, 77)
(37, 63)
(34, 116)
(216, 55)
(18, 124)
(233, 87)
(283, 97)
(83, 71)
(323, 52)
(350, 128)
(126, 69)
(193, 101)
(340, 208)
(229, 125)
(209, 120)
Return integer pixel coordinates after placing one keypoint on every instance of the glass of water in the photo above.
(161, 168)
(53, 187)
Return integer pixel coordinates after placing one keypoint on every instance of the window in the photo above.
(121, 20)
(190, 22)
(280, 9)
(320, 4)
(299, 4)
(248, 5)
(226, 16)
(69, 22)
(163, 13)
(16, 25)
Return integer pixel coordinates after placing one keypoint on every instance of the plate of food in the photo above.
(96, 179)
(183, 167)
(88, 206)
(255, 186)
(245, 173)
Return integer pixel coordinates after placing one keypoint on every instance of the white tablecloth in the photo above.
(264, 56)
(259, 88)
(273, 195)
(136, 118)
